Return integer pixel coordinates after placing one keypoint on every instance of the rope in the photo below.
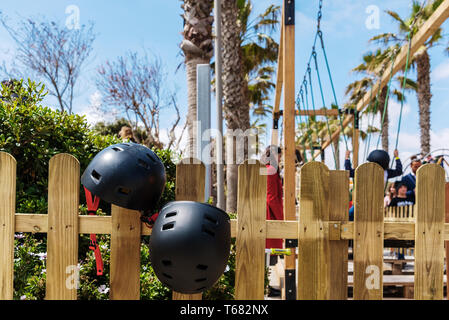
(387, 98)
(320, 34)
(324, 104)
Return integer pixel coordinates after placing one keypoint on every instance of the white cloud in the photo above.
(441, 72)
(93, 110)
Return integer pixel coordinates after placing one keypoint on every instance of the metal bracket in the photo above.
(276, 123)
(289, 11)
(290, 284)
(291, 243)
(356, 120)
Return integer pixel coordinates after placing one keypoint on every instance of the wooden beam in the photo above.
(319, 112)
(37, 223)
(289, 129)
(427, 29)
(279, 82)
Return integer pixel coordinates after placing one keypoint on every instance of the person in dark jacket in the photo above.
(409, 180)
(389, 173)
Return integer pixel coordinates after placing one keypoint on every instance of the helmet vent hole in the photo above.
(208, 231)
(166, 263)
(210, 219)
(96, 176)
(201, 267)
(151, 157)
(143, 164)
(200, 280)
(168, 226)
(124, 191)
(117, 149)
(167, 276)
(170, 214)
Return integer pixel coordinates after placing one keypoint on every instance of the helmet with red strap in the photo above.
(128, 175)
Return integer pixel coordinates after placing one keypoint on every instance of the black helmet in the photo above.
(380, 157)
(128, 175)
(190, 245)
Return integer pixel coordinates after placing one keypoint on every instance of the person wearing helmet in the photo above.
(382, 158)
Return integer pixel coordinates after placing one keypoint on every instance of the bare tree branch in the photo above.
(51, 52)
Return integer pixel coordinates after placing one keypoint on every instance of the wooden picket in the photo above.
(322, 230)
(125, 246)
(313, 242)
(251, 232)
(190, 186)
(7, 224)
(429, 239)
(62, 240)
(368, 232)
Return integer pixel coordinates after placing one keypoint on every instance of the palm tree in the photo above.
(198, 49)
(420, 60)
(373, 68)
(247, 55)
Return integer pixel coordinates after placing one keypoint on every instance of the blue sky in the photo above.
(156, 25)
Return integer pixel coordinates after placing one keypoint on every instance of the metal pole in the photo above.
(204, 122)
(219, 98)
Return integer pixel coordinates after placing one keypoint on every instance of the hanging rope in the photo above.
(324, 104)
(387, 98)
(320, 35)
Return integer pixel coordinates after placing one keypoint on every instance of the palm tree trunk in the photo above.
(337, 153)
(424, 99)
(386, 122)
(197, 48)
(236, 111)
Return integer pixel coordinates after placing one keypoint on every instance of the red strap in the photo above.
(92, 207)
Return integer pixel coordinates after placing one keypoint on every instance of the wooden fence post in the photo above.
(313, 234)
(62, 240)
(447, 221)
(125, 254)
(190, 186)
(251, 232)
(368, 232)
(339, 211)
(429, 232)
(7, 224)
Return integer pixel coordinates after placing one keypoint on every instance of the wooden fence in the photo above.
(323, 231)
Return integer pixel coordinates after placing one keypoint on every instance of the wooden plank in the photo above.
(446, 243)
(280, 69)
(62, 240)
(190, 186)
(368, 232)
(319, 112)
(425, 31)
(125, 254)
(338, 201)
(313, 244)
(251, 233)
(7, 210)
(429, 245)
(279, 82)
(289, 136)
